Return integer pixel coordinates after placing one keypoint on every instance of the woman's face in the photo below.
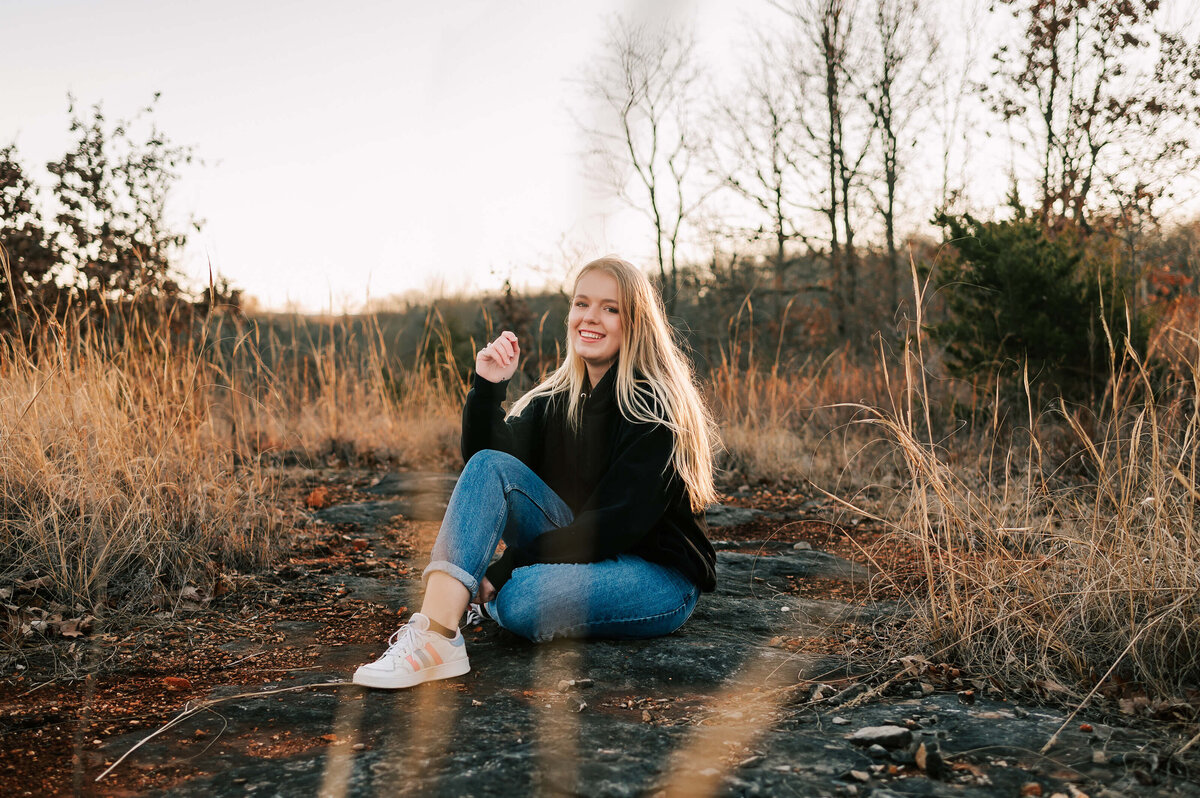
(594, 323)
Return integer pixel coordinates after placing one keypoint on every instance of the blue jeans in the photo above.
(499, 497)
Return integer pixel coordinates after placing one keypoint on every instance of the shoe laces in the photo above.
(402, 641)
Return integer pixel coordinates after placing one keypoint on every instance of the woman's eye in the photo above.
(611, 310)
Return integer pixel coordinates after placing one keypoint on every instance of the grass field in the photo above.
(1057, 544)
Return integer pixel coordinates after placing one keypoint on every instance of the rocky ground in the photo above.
(784, 682)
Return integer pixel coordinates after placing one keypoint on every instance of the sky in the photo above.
(350, 150)
(372, 149)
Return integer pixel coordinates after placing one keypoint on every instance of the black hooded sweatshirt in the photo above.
(614, 474)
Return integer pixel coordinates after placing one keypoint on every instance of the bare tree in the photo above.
(904, 51)
(838, 131)
(754, 151)
(1101, 92)
(644, 144)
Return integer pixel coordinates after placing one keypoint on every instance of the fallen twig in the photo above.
(190, 711)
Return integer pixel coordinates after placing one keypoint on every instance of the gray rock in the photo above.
(885, 736)
(721, 515)
(414, 483)
(361, 514)
(492, 733)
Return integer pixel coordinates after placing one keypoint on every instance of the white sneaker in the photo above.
(475, 614)
(415, 655)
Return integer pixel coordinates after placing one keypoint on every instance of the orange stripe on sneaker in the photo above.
(416, 666)
(433, 653)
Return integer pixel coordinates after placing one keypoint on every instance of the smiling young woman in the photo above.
(596, 480)
(595, 321)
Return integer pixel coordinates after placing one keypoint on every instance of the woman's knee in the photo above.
(492, 458)
(522, 612)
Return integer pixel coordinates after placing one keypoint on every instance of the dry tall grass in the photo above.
(322, 390)
(790, 422)
(135, 463)
(114, 484)
(1073, 576)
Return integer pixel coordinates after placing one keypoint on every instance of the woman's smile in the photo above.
(595, 321)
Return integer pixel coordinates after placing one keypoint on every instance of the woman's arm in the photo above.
(484, 426)
(629, 500)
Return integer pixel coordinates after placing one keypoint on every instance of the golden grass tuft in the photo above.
(141, 458)
(326, 390)
(114, 483)
(1075, 577)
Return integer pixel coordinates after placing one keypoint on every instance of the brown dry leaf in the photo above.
(318, 499)
(1050, 686)
(34, 584)
(71, 628)
(225, 584)
(329, 738)
(190, 593)
(175, 683)
(914, 665)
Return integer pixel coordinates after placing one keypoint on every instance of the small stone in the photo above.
(750, 761)
(926, 688)
(802, 546)
(1020, 712)
(929, 759)
(860, 775)
(564, 686)
(784, 609)
(359, 746)
(1099, 758)
(475, 702)
(840, 721)
(877, 751)
(886, 736)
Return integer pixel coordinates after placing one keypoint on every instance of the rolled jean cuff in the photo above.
(468, 581)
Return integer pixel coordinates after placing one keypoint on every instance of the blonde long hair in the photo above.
(664, 390)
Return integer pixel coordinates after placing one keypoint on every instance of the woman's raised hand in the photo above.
(497, 361)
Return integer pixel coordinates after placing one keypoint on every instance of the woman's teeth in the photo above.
(590, 336)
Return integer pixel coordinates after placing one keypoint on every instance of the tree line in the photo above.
(800, 171)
